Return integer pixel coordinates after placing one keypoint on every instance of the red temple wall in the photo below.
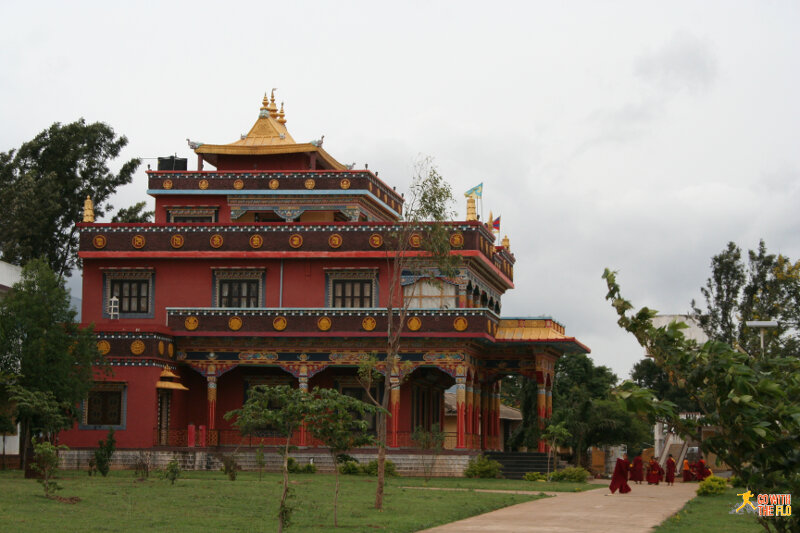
(220, 201)
(297, 161)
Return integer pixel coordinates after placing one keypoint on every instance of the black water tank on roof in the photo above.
(172, 163)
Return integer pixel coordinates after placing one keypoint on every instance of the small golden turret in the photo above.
(264, 111)
(272, 107)
(472, 212)
(88, 210)
(281, 115)
(506, 243)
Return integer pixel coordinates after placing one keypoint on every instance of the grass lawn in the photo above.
(710, 514)
(208, 501)
(498, 484)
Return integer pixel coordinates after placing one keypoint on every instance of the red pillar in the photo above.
(394, 419)
(212, 402)
(541, 404)
(484, 417)
(461, 423)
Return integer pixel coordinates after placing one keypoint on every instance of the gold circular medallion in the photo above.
(191, 323)
(138, 241)
(415, 240)
(368, 323)
(456, 240)
(309, 183)
(414, 323)
(99, 241)
(344, 183)
(279, 323)
(176, 241)
(171, 349)
(137, 347)
(296, 240)
(375, 240)
(256, 241)
(167, 184)
(238, 185)
(216, 240)
(103, 347)
(460, 323)
(335, 240)
(273, 184)
(203, 184)
(324, 323)
(235, 323)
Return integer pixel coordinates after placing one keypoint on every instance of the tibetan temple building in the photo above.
(272, 269)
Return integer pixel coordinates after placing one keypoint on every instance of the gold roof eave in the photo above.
(170, 385)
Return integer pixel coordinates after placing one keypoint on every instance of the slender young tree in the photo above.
(427, 208)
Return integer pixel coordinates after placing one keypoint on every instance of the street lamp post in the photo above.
(762, 325)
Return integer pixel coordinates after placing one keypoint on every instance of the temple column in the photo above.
(468, 408)
(541, 404)
(484, 416)
(461, 393)
(211, 397)
(497, 415)
(549, 412)
(303, 380)
(394, 408)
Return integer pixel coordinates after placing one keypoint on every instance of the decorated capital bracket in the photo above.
(212, 368)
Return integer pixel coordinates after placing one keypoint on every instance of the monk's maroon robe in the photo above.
(653, 472)
(637, 470)
(619, 480)
(670, 470)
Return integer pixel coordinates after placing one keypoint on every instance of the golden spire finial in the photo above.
(472, 212)
(273, 109)
(88, 210)
(281, 115)
(506, 243)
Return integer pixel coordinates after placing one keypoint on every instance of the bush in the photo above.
(712, 485)
(371, 468)
(172, 471)
(142, 464)
(45, 461)
(482, 467)
(535, 476)
(230, 466)
(296, 468)
(575, 474)
(344, 458)
(102, 455)
(736, 481)
(349, 468)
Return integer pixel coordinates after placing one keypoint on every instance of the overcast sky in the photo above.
(640, 136)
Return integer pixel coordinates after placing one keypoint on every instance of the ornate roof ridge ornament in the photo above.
(88, 210)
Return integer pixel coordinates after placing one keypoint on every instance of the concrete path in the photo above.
(640, 510)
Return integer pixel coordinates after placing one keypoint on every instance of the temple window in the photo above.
(356, 288)
(192, 214)
(428, 293)
(239, 287)
(133, 290)
(104, 407)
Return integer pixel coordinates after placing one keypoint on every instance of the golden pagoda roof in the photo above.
(529, 330)
(269, 136)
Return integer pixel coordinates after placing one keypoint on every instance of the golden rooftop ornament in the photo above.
(88, 210)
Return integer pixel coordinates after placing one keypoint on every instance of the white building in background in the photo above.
(9, 275)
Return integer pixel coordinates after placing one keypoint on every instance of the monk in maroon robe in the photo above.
(653, 472)
(670, 470)
(619, 480)
(637, 470)
(701, 471)
(687, 471)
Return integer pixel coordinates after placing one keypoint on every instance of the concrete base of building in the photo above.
(448, 464)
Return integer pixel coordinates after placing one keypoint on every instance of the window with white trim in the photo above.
(429, 293)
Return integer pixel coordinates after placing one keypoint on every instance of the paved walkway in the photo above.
(638, 511)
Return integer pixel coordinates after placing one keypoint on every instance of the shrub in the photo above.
(344, 458)
(575, 474)
(482, 467)
(296, 468)
(711, 486)
(371, 468)
(349, 468)
(172, 471)
(142, 464)
(102, 455)
(535, 476)
(230, 466)
(736, 481)
(45, 461)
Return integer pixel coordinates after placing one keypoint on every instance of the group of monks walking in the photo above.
(624, 471)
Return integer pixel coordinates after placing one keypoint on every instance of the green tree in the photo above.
(750, 400)
(44, 349)
(528, 432)
(555, 435)
(339, 422)
(134, 213)
(283, 409)
(43, 185)
(647, 374)
(425, 211)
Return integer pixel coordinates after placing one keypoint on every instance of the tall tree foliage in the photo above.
(43, 186)
(427, 207)
(647, 374)
(42, 347)
(135, 213)
(750, 400)
(766, 287)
